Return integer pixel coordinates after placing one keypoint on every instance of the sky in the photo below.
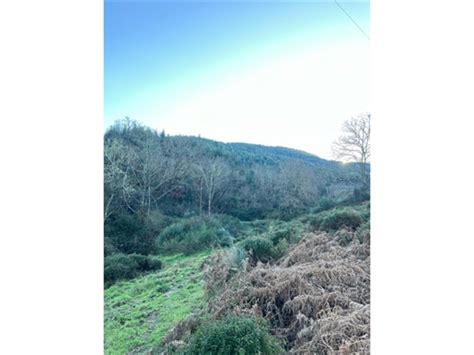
(273, 73)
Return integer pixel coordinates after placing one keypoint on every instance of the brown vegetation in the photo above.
(316, 298)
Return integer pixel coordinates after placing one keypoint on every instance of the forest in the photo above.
(234, 248)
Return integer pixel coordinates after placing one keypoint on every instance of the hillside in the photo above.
(243, 247)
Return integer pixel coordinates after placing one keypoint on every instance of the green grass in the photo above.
(138, 313)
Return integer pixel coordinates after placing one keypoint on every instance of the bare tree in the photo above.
(354, 143)
(117, 182)
(159, 169)
(214, 177)
(298, 186)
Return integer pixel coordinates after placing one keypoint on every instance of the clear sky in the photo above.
(273, 73)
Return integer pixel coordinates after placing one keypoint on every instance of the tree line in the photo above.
(150, 178)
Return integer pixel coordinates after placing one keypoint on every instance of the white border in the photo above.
(51, 180)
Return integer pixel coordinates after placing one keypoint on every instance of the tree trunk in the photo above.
(200, 199)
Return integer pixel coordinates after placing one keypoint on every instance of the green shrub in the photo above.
(234, 335)
(191, 235)
(335, 219)
(260, 249)
(128, 234)
(346, 218)
(280, 249)
(128, 266)
(146, 262)
(363, 232)
(156, 222)
(232, 225)
(281, 234)
(325, 203)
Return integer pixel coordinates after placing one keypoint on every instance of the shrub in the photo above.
(260, 249)
(128, 234)
(146, 262)
(280, 249)
(234, 335)
(346, 218)
(335, 219)
(325, 203)
(191, 235)
(361, 194)
(128, 266)
(156, 222)
(281, 234)
(231, 224)
(363, 232)
(118, 267)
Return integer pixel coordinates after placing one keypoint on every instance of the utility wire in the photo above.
(355, 23)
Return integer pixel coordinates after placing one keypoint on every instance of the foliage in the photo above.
(127, 266)
(260, 249)
(363, 232)
(337, 218)
(232, 225)
(139, 313)
(128, 234)
(280, 249)
(324, 203)
(146, 171)
(191, 235)
(234, 335)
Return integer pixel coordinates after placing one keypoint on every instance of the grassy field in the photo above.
(138, 313)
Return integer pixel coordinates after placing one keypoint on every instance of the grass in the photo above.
(138, 313)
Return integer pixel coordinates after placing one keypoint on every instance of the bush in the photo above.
(363, 232)
(128, 234)
(191, 235)
(260, 249)
(232, 225)
(281, 234)
(146, 262)
(324, 204)
(280, 249)
(234, 335)
(156, 222)
(346, 218)
(128, 266)
(335, 219)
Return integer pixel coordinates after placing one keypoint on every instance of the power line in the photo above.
(355, 23)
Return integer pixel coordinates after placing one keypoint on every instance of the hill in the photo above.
(203, 240)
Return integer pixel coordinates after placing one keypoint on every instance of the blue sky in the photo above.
(276, 73)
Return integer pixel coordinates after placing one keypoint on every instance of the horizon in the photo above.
(273, 74)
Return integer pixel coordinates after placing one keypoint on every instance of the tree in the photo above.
(214, 177)
(354, 144)
(144, 165)
(117, 184)
(298, 187)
